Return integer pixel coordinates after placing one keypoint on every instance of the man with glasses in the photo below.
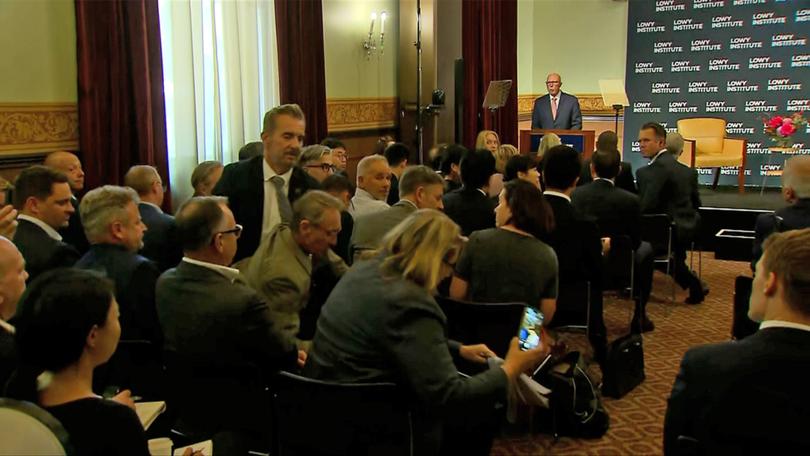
(556, 110)
(160, 243)
(218, 331)
(281, 269)
(340, 156)
(317, 161)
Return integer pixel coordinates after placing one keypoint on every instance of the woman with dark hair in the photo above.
(509, 263)
(67, 324)
(522, 167)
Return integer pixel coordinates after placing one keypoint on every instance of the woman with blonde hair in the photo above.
(489, 140)
(548, 141)
(502, 156)
(381, 324)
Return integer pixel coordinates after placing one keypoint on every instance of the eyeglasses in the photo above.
(325, 167)
(553, 82)
(236, 231)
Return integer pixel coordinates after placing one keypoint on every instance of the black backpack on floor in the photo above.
(624, 367)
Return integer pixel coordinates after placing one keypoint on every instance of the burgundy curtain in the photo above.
(489, 48)
(122, 120)
(302, 74)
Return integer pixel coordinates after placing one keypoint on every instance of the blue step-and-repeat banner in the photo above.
(741, 60)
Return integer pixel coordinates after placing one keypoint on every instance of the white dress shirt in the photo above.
(271, 215)
(561, 195)
(783, 324)
(229, 273)
(45, 227)
(656, 156)
(7, 327)
(606, 180)
(364, 203)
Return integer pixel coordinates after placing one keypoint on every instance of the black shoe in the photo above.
(705, 287)
(638, 326)
(696, 296)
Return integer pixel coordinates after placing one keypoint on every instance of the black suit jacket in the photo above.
(569, 116)
(73, 234)
(393, 191)
(669, 187)
(134, 277)
(793, 217)
(243, 183)
(575, 240)
(8, 357)
(616, 211)
(160, 242)
(470, 209)
(40, 251)
(744, 397)
(623, 180)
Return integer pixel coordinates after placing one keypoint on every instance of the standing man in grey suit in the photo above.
(556, 110)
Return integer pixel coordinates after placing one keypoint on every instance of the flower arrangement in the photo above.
(781, 129)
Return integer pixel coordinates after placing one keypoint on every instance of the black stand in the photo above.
(419, 121)
(617, 108)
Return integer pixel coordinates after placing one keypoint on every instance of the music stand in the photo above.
(613, 95)
(497, 94)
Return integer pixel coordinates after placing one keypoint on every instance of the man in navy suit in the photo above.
(557, 110)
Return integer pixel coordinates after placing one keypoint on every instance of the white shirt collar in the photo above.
(45, 227)
(783, 324)
(483, 192)
(607, 180)
(229, 273)
(362, 194)
(153, 205)
(269, 173)
(561, 195)
(656, 156)
(9, 329)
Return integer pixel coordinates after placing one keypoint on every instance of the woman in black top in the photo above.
(509, 263)
(67, 324)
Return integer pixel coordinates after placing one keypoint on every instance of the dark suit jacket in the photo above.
(370, 228)
(575, 240)
(623, 180)
(393, 191)
(73, 234)
(744, 397)
(40, 251)
(616, 211)
(8, 357)
(345, 236)
(569, 116)
(793, 217)
(223, 346)
(134, 277)
(669, 187)
(243, 183)
(160, 242)
(470, 209)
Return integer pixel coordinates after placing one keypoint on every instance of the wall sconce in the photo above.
(369, 44)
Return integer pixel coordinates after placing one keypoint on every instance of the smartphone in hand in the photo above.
(530, 328)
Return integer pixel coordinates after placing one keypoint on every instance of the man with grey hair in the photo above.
(215, 323)
(674, 143)
(282, 268)
(114, 228)
(420, 188)
(316, 160)
(262, 189)
(373, 183)
(796, 192)
(160, 243)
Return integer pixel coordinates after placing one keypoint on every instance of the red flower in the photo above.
(787, 120)
(786, 129)
(775, 122)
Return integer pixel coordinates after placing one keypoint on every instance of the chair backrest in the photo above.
(618, 266)
(493, 324)
(314, 417)
(29, 430)
(657, 230)
(708, 133)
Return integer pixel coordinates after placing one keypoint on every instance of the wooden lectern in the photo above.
(581, 140)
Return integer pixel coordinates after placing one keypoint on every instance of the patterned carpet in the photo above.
(637, 420)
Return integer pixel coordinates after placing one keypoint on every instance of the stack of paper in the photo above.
(149, 411)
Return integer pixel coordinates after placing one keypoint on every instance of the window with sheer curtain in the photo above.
(220, 77)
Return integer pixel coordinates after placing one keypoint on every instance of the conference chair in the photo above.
(658, 229)
(706, 146)
(493, 324)
(618, 270)
(319, 418)
(27, 429)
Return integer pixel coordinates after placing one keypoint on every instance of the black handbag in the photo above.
(624, 368)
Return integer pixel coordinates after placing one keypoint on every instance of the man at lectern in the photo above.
(557, 110)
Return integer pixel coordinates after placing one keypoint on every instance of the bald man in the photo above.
(160, 243)
(69, 164)
(556, 110)
(12, 285)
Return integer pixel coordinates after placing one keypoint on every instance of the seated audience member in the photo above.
(261, 190)
(8, 215)
(509, 263)
(42, 198)
(115, 230)
(160, 243)
(420, 188)
(373, 184)
(250, 150)
(617, 213)
(281, 269)
(796, 192)
(69, 164)
(489, 140)
(435, 156)
(213, 322)
(12, 285)
(470, 206)
(721, 387)
(575, 240)
(339, 186)
(522, 167)
(668, 187)
(205, 177)
(340, 156)
(674, 143)
(382, 143)
(450, 166)
(609, 141)
(381, 324)
(502, 156)
(67, 325)
(548, 141)
(317, 162)
(397, 156)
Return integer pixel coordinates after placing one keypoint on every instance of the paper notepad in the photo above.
(149, 411)
(206, 447)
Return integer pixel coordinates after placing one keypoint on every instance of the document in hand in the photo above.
(149, 411)
(206, 448)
